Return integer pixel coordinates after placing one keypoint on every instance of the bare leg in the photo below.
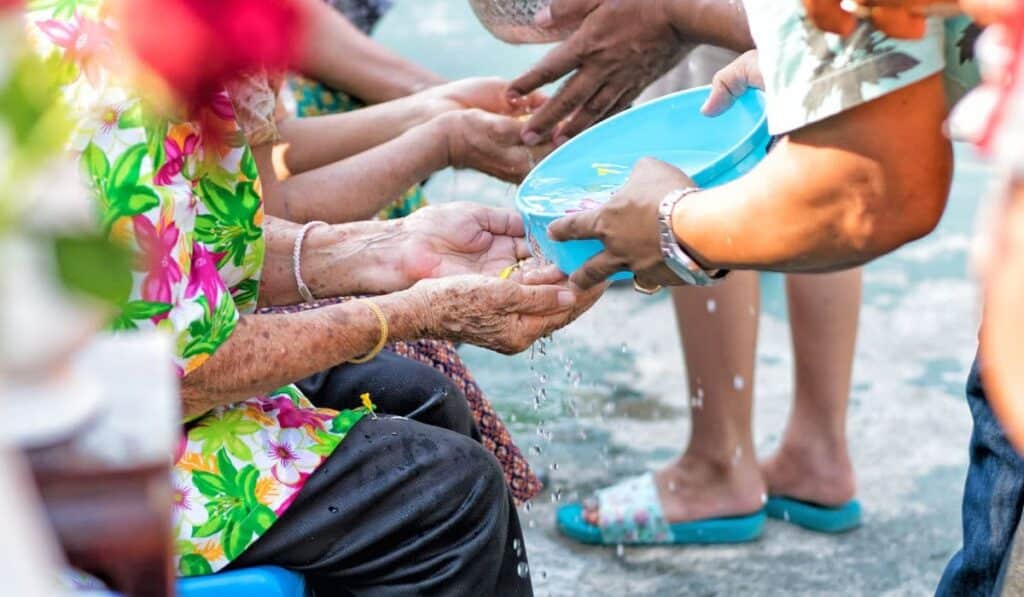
(718, 473)
(813, 461)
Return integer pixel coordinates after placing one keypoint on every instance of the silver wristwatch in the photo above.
(677, 260)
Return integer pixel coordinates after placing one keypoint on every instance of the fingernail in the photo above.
(561, 140)
(531, 139)
(513, 95)
(543, 17)
(566, 299)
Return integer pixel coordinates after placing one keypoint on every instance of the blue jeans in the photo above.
(993, 498)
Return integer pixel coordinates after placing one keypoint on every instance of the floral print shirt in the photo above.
(811, 75)
(184, 195)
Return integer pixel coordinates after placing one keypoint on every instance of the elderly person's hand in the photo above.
(461, 238)
(618, 49)
(489, 143)
(896, 18)
(501, 315)
(628, 227)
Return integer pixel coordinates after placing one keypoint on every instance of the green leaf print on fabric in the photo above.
(326, 443)
(346, 420)
(246, 295)
(211, 330)
(222, 430)
(61, 8)
(234, 510)
(194, 565)
(248, 165)
(133, 311)
(230, 227)
(117, 185)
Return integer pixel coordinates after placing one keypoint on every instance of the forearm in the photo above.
(341, 56)
(359, 258)
(266, 352)
(711, 22)
(358, 187)
(310, 143)
(832, 195)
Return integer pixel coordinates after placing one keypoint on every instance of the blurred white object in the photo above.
(29, 557)
(513, 20)
(139, 418)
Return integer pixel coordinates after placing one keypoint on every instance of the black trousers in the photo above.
(409, 504)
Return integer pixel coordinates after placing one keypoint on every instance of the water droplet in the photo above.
(528, 506)
(515, 546)
(672, 486)
(556, 496)
(554, 466)
(543, 378)
(523, 570)
(543, 574)
(532, 524)
(712, 305)
(764, 498)
(624, 349)
(785, 515)
(536, 449)
(620, 550)
(737, 456)
(332, 509)
(394, 433)
(738, 382)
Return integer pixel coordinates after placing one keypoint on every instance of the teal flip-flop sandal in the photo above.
(815, 517)
(631, 515)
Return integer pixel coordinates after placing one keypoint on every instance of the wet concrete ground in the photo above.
(628, 413)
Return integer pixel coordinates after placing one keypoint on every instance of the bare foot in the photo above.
(698, 488)
(817, 473)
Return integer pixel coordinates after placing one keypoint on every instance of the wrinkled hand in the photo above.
(461, 238)
(490, 143)
(501, 315)
(619, 48)
(486, 93)
(895, 18)
(730, 83)
(628, 227)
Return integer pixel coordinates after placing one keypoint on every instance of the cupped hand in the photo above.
(486, 93)
(628, 227)
(489, 143)
(501, 315)
(461, 238)
(617, 50)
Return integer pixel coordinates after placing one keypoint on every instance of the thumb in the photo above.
(541, 300)
(564, 14)
(731, 82)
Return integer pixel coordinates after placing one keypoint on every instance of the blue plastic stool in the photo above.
(249, 582)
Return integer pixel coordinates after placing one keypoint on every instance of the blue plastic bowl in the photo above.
(712, 151)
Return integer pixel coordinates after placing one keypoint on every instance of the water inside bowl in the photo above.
(580, 185)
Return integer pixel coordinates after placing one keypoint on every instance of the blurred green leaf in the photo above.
(95, 267)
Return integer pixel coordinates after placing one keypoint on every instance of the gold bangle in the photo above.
(384, 332)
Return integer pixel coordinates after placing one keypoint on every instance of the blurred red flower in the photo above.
(197, 45)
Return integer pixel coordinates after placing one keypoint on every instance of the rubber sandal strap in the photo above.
(630, 513)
